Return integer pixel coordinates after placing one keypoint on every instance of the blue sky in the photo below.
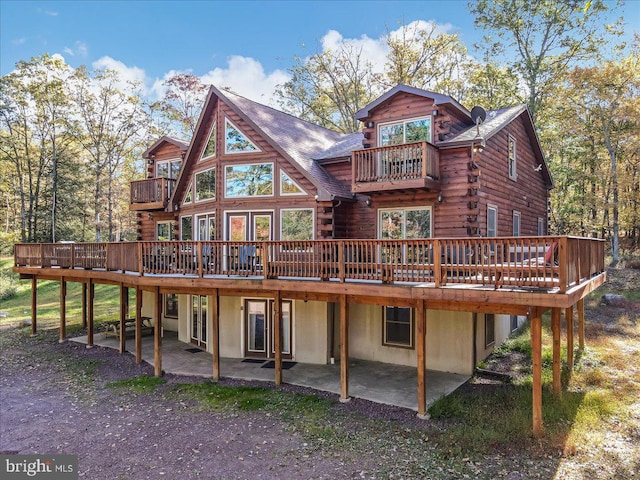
(249, 44)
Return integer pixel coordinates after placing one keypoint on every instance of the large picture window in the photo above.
(398, 327)
(168, 169)
(296, 224)
(404, 223)
(206, 185)
(407, 131)
(254, 180)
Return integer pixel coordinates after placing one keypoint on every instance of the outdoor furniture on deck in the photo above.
(113, 327)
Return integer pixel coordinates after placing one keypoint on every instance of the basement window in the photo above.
(398, 327)
(489, 329)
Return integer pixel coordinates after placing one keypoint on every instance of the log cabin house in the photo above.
(421, 240)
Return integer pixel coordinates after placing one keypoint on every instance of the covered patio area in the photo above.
(374, 381)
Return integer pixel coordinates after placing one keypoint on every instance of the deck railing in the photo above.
(538, 262)
(396, 162)
(151, 191)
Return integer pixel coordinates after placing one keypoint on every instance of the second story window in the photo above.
(406, 131)
(168, 169)
(254, 180)
(206, 185)
(513, 174)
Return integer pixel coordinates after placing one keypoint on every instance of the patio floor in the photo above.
(375, 381)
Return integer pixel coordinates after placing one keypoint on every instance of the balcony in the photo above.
(151, 193)
(396, 167)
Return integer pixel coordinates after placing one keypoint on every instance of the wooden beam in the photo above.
(124, 292)
(421, 356)
(277, 336)
(215, 335)
(555, 329)
(84, 304)
(568, 315)
(63, 310)
(138, 325)
(34, 306)
(157, 334)
(90, 302)
(580, 306)
(536, 359)
(344, 349)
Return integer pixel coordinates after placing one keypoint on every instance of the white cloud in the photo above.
(158, 89)
(125, 73)
(246, 76)
(80, 49)
(19, 41)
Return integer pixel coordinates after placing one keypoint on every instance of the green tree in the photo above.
(181, 104)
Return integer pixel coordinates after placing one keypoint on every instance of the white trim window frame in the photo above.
(196, 198)
(253, 147)
(403, 211)
(172, 169)
(209, 221)
(313, 223)
(403, 122)
(517, 219)
(234, 166)
(170, 233)
(213, 134)
(295, 184)
(492, 220)
(182, 228)
(512, 149)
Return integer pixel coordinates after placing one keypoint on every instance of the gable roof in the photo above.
(438, 99)
(342, 148)
(183, 146)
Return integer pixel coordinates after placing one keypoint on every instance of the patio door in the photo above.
(249, 226)
(199, 305)
(259, 331)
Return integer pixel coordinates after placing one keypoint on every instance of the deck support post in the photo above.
(63, 310)
(277, 336)
(568, 315)
(34, 306)
(84, 304)
(90, 301)
(138, 325)
(580, 306)
(344, 349)
(124, 292)
(421, 354)
(536, 360)
(555, 329)
(157, 334)
(215, 334)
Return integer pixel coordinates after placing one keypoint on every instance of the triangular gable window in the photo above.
(235, 140)
(288, 186)
(189, 196)
(210, 149)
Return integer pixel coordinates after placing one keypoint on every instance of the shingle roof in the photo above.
(343, 148)
(182, 145)
(301, 141)
(496, 120)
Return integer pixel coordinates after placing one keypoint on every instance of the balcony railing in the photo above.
(410, 165)
(151, 193)
(537, 262)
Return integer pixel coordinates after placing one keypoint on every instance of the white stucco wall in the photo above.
(310, 332)
(231, 327)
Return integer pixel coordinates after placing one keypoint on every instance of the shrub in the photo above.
(8, 287)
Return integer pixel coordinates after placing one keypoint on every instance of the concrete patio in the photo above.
(374, 381)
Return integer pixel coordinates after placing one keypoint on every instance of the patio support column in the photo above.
(421, 354)
(568, 315)
(555, 329)
(92, 294)
(344, 349)
(157, 334)
(84, 304)
(124, 292)
(34, 306)
(580, 306)
(63, 310)
(215, 334)
(138, 325)
(277, 336)
(536, 360)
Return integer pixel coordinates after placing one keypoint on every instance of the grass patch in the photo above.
(141, 384)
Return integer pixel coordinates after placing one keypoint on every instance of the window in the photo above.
(407, 131)
(398, 327)
(164, 231)
(492, 221)
(236, 141)
(186, 228)
(288, 186)
(540, 226)
(189, 196)
(514, 322)
(489, 329)
(249, 180)
(405, 223)
(210, 148)
(512, 158)
(168, 169)
(206, 226)
(206, 185)
(296, 224)
(171, 305)
(516, 224)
